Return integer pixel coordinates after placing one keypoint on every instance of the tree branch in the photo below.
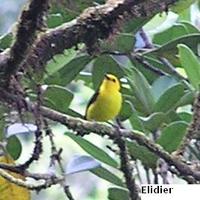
(125, 167)
(31, 186)
(83, 126)
(193, 129)
(78, 125)
(94, 23)
(31, 21)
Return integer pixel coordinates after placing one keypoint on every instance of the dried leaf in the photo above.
(10, 191)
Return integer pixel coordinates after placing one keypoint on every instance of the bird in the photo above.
(106, 102)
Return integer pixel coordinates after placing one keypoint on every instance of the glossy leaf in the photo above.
(162, 84)
(10, 191)
(181, 5)
(73, 113)
(6, 40)
(185, 116)
(126, 111)
(141, 89)
(143, 154)
(19, 128)
(191, 65)
(132, 26)
(14, 147)
(108, 176)
(59, 97)
(172, 136)
(124, 42)
(147, 73)
(136, 122)
(102, 65)
(54, 20)
(177, 30)
(93, 150)
(67, 68)
(190, 27)
(118, 194)
(168, 100)
(154, 121)
(186, 99)
(72, 69)
(172, 116)
(79, 163)
(60, 61)
(170, 51)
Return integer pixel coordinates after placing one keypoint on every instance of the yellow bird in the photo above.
(106, 103)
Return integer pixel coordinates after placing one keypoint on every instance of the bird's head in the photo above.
(111, 82)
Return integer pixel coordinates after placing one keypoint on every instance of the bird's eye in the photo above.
(113, 80)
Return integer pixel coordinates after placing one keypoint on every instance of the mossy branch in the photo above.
(31, 21)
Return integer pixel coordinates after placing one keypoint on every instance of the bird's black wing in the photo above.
(91, 101)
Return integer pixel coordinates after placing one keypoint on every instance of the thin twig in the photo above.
(78, 125)
(31, 186)
(146, 64)
(38, 133)
(172, 69)
(147, 175)
(56, 156)
(193, 129)
(125, 166)
(147, 42)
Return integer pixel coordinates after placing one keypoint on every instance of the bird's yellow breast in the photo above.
(106, 107)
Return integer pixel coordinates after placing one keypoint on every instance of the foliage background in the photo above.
(159, 106)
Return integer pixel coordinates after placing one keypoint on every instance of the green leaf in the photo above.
(186, 99)
(190, 27)
(6, 40)
(126, 110)
(185, 116)
(59, 97)
(72, 69)
(162, 84)
(108, 176)
(181, 5)
(86, 77)
(177, 30)
(66, 69)
(124, 42)
(169, 99)
(73, 113)
(154, 121)
(132, 26)
(172, 136)
(54, 20)
(14, 147)
(172, 116)
(191, 64)
(147, 73)
(59, 61)
(80, 163)
(93, 150)
(118, 194)
(141, 153)
(140, 88)
(170, 51)
(136, 122)
(102, 65)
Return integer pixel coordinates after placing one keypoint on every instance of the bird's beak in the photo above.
(107, 77)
